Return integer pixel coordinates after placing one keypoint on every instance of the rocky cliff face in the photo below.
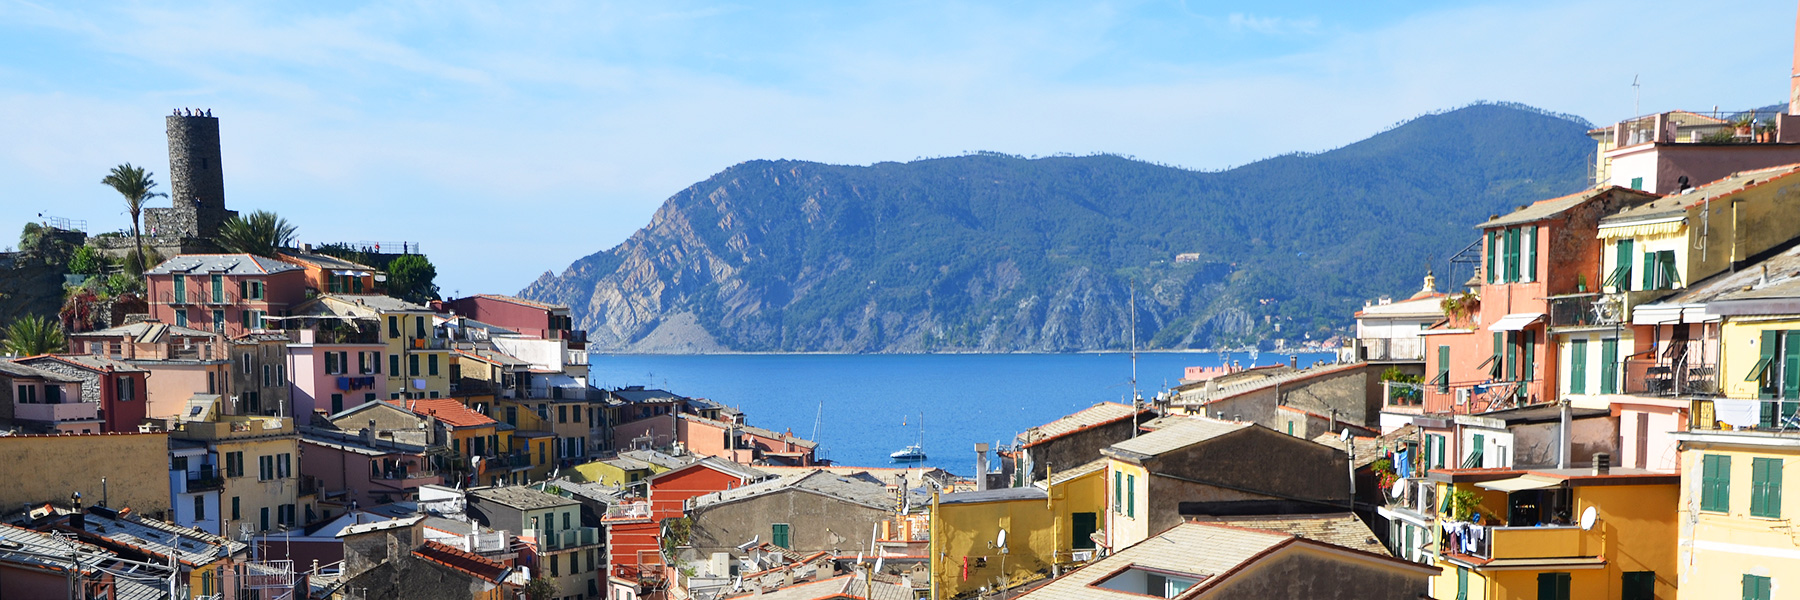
(994, 253)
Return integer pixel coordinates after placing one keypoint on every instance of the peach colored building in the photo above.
(228, 294)
(327, 274)
(182, 361)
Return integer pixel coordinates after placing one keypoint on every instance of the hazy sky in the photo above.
(512, 138)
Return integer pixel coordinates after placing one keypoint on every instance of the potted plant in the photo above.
(1581, 283)
(1743, 124)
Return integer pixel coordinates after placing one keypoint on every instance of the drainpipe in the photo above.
(1564, 438)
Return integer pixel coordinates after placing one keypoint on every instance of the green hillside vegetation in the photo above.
(992, 252)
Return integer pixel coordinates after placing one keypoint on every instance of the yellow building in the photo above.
(1048, 527)
(259, 459)
(1531, 542)
(417, 358)
(1737, 538)
(627, 468)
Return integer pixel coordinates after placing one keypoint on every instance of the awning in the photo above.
(1644, 228)
(1515, 321)
(1521, 483)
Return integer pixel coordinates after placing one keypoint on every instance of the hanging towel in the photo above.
(1738, 413)
(343, 383)
(418, 384)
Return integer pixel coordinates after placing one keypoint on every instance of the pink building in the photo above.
(181, 361)
(529, 318)
(366, 469)
(335, 368)
(117, 387)
(39, 401)
(223, 293)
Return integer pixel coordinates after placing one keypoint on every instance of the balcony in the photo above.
(1773, 415)
(1666, 378)
(57, 413)
(233, 428)
(575, 358)
(1386, 349)
(1586, 310)
(569, 539)
(204, 480)
(1495, 543)
(427, 343)
(635, 511)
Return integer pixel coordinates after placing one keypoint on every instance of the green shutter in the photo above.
(1637, 183)
(1118, 492)
(1478, 452)
(1527, 363)
(1462, 584)
(779, 535)
(1609, 366)
(1443, 369)
(1765, 488)
(1756, 587)
(1638, 585)
(1623, 282)
(1578, 366)
(1649, 271)
(1512, 356)
(1131, 496)
(1770, 339)
(1497, 365)
(1512, 255)
(1531, 253)
(1491, 258)
(1553, 586)
(1790, 370)
(1715, 483)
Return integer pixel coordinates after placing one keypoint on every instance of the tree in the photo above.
(262, 233)
(137, 186)
(540, 588)
(412, 278)
(32, 335)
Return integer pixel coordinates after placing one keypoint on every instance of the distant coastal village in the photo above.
(1596, 398)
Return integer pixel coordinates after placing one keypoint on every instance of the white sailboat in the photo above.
(915, 452)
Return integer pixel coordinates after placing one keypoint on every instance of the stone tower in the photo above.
(196, 180)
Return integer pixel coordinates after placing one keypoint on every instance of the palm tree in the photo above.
(32, 335)
(262, 233)
(136, 185)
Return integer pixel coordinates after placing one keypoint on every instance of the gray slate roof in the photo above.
(522, 498)
(999, 495)
(831, 485)
(1178, 435)
(227, 264)
(18, 370)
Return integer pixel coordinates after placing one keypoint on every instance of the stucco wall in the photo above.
(1078, 448)
(135, 466)
(816, 523)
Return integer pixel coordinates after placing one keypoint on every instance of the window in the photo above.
(375, 363)
(1477, 451)
(1638, 585)
(1778, 374)
(1085, 524)
(235, 514)
(27, 394)
(1715, 483)
(180, 292)
(331, 363)
(1659, 270)
(412, 364)
(181, 319)
(419, 327)
(1553, 586)
(1620, 279)
(218, 289)
(1637, 183)
(1609, 366)
(265, 518)
(394, 329)
(123, 388)
(562, 414)
(244, 362)
(200, 508)
(1118, 492)
(1149, 582)
(265, 467)
(1462, 584)
(212, 382)
(268, 376)
(284, 466)
(393, 364)
(565, 516)
(1578, 366)
(431, 364)
(1443, 376)
(778, 535)
(218, 321)
(1756, 587)
(1493, 249)
(554, 572)
(286, 515)
(1765, 488)
(253, 290)
(234, 465)
(1131, 496)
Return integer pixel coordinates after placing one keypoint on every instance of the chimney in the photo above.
(981, 468)
(1602, 463)
(1794, 82)
(1294, 360)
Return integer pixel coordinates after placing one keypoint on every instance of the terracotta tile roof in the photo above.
(448, 410)
(1544, 209)
(451, 557)
(1092, 416)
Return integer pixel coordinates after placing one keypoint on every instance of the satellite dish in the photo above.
(1345, 436)
(1588, 517)
(1000, 540)
(1396, 491)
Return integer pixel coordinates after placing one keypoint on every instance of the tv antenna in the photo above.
(1636, 97)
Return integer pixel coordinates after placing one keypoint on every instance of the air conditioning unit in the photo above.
(1462, 396)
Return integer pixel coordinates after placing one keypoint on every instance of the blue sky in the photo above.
(513, 138)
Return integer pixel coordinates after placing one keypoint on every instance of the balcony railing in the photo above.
(1539, 541)
(1409, 348)
(1771, 415)
(1650, 377)
(57, 413)
(627, 512)
(1586, 310)
(205, 479)
(572, 538)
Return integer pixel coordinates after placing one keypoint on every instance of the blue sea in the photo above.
(866, 406)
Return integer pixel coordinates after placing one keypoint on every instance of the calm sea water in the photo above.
(869, 405)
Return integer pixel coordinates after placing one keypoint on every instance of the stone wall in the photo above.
(816, 523)
(196, 181)
(90, 381)
(135, 465)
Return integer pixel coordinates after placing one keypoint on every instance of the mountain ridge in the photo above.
(992, 253)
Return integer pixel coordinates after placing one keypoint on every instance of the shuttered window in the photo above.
(778, 534)
(1443, 378)
(1621, 277)
(1131, 496)
(1715, 483)
(1578, 366)
(1756, 587)
(1609, 366)
(1492, 258)
(1553, 586)
(1765, 488)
